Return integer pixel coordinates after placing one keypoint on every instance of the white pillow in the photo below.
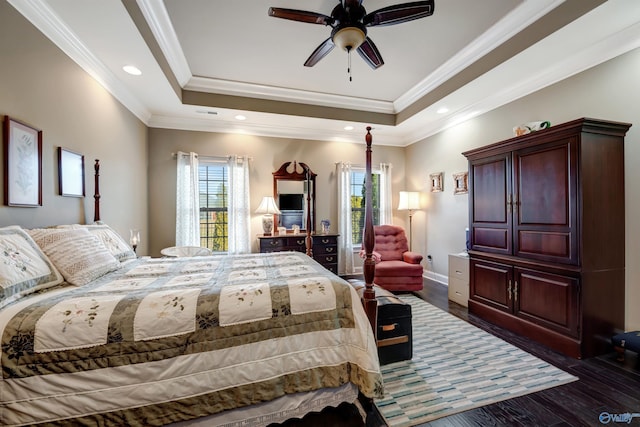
(79, 255)
(110, 238)
(24, 268)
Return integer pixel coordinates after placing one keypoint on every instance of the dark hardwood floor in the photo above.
(605, 387)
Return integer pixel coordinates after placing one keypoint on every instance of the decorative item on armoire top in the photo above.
(460, 183)
(326, 225)
(70, 173)
(436, 182)
(526, 128)
(22, 164)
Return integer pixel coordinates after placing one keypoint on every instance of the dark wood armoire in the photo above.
(547, 222)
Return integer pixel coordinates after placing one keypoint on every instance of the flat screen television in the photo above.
(290, 202)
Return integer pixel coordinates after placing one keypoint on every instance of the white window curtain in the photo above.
(239, 215)
(345, 250)
(386, 215)
(187, 200)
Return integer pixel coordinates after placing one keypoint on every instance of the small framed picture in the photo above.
(22, 164)
(70, 173)
(460, 183)
(436, 182)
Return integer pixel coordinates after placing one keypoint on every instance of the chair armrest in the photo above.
(412, 257)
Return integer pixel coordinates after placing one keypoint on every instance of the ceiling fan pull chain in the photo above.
(349, 63)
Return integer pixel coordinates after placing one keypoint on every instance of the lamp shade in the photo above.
(268, 206)
(409, 200)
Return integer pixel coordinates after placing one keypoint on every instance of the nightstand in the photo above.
(459, 278)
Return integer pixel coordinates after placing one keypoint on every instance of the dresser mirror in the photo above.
(294, 190)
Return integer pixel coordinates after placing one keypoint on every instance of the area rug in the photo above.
(456, 367)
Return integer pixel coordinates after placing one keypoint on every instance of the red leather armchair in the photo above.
(398, 269)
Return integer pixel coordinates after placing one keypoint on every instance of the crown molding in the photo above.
(521, 17)
(49, 23)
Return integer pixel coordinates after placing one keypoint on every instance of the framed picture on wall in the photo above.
(460, 185)
(436, 182)
(70, 173)
(22, 164)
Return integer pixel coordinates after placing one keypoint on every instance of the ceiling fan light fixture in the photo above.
(349, 38)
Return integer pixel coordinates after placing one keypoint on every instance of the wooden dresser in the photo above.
(325, 247)
(546, 215)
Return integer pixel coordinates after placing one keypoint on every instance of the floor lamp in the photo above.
(409, 201)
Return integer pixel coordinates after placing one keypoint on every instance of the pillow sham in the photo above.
(24, 268)
(79, 255)
(110, 238)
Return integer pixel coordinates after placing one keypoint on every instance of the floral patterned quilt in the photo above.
(166, 339)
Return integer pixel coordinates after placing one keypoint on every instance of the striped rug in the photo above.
(456, 367)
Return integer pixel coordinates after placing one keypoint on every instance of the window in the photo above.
(213, 179)
(358, 203)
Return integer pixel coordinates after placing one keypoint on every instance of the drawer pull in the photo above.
(300, 242)
(325, 241)
(274, 242)
(387, 328)
(329, 249)
(329, 259)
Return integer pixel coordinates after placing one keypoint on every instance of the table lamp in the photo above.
(267, 208)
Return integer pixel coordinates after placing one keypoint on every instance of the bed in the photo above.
(93, 335)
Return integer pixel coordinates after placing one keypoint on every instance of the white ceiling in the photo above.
(205, 61)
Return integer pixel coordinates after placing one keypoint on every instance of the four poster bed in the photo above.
(93, 335)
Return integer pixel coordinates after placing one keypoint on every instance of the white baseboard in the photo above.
(440, 278)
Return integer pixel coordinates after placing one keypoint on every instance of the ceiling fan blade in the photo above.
(320, 52)
(370, 53)
(300, 16)
(399, 13)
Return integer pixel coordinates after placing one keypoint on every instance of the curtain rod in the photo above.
(200, 156)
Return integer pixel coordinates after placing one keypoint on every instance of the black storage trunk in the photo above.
(395, 341)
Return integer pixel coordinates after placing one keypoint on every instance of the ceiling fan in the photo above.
(350, 21)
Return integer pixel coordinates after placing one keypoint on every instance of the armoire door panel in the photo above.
(491, 239)
(490, 180)
(547, 299)
(545, 220)
(491, 284)
(543, 187)
(544, 243)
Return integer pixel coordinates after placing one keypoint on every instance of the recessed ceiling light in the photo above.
(348, 128)
(442, 110)
(240, 117)
(133, 70)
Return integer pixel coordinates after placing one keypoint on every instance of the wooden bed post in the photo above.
(369, 296)
(96, 192)
(308, 239)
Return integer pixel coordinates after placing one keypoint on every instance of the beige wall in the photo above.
(268, 154)
(41, 86)
(609, 91)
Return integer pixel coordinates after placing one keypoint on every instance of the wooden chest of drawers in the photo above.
(324, 248)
